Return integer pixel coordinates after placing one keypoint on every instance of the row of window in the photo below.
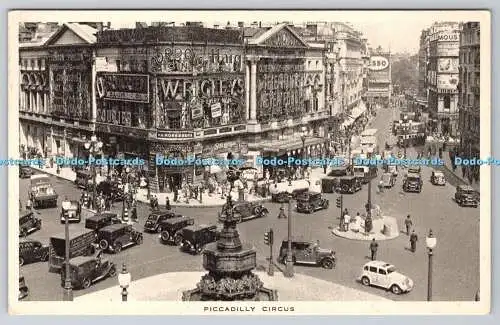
(469, 57)
(34, 64)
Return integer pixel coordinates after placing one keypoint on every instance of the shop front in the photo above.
(168, 177)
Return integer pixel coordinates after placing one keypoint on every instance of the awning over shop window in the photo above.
(356, 113)
(278, 147)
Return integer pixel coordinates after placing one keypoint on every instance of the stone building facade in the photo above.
(442, 76)
(469, 89)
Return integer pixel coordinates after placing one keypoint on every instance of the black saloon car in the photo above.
(28, 223)
(244, 210)
(115, 237)
(310, 202)
(85, 270)
(195, 237)
(155, 220)
(466, 196)
(31, 251)
(25, 172)
(171, 229)
(102, 220)
(23, 288)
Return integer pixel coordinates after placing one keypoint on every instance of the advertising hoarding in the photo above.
(448, 65)
(123, 87)
(447, 81)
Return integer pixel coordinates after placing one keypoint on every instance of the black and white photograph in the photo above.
(249, 162)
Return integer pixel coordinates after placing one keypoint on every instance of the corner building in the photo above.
(171, 92)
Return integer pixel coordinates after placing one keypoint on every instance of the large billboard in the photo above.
(379, 68)
(448, 65)
(447, 81)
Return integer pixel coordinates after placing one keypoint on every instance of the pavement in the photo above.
(169, 287)
(457, 174)
(208, 200)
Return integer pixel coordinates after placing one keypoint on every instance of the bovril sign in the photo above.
(378, 63)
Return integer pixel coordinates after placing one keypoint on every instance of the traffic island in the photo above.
(384, 228)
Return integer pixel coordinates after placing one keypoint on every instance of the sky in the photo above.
(398, 31)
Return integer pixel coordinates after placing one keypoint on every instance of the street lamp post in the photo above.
(289, 257)
(431, 242)
(303, 138)
(94, 147)
(68, 289)
(124, 279)
(126, 185)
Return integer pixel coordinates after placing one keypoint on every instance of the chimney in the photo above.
(254, 24)
(260, 24)
(241, 24)
(216, 26)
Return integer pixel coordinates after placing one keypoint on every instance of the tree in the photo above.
(405, 73)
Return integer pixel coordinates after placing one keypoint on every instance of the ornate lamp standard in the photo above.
(431, 242)
(303, 138)
(68, 289)
(124, 279)
(94, 147)
(289, 258)
(126, 187)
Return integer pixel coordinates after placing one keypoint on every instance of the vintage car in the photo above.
(388, 180)
(415, 169)
(306, 252)
(23, 288)
(310, 202)
(280, 192)
(28, 223)
(466, 196)
(244, 210)
(412, 183)
(330, 183)
(102, 220)
(111, 189)
(83, 179)
(154, 222)
(42, 193)
(74, 213)
(195, 237)
(115, 237)
(171, 229)
(382, 274)
(365, 173)
(437, 178)
(349, 184)
(25, 172)
(31, 251)
(85, 270)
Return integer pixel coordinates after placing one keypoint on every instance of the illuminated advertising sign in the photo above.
(447, 81)
(448, 65)
(378, 63)
(123, 87)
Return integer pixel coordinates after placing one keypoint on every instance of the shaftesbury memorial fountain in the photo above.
(229, 264)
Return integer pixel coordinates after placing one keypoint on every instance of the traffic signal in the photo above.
(268, 237)
(339, 202)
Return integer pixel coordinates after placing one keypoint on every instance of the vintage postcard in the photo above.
(249, 162)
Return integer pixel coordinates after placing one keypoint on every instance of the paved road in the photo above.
(456, 261)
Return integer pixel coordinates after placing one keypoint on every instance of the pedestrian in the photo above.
(373, 249)
(167, 204)
(29, 204)
(316, 246)
(408, 225)
(282, 213)
(413, 241)
(176, 194)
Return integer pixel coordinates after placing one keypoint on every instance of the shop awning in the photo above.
(356, 112)
(285, 145)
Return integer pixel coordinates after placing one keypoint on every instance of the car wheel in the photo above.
(86, 283)
(112, 271)
(139, 240)
(310, 209)
(178, 240)
(365, 281)
(21, 261)
(395, 289)
(118, 247)
(103, 244)
(165, 236)
(327, 263)
(257, 210)
(44, 258)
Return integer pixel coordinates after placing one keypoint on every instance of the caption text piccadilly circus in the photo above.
(248, 308)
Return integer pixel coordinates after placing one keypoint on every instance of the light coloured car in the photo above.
(385, 275)
(437, 178)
